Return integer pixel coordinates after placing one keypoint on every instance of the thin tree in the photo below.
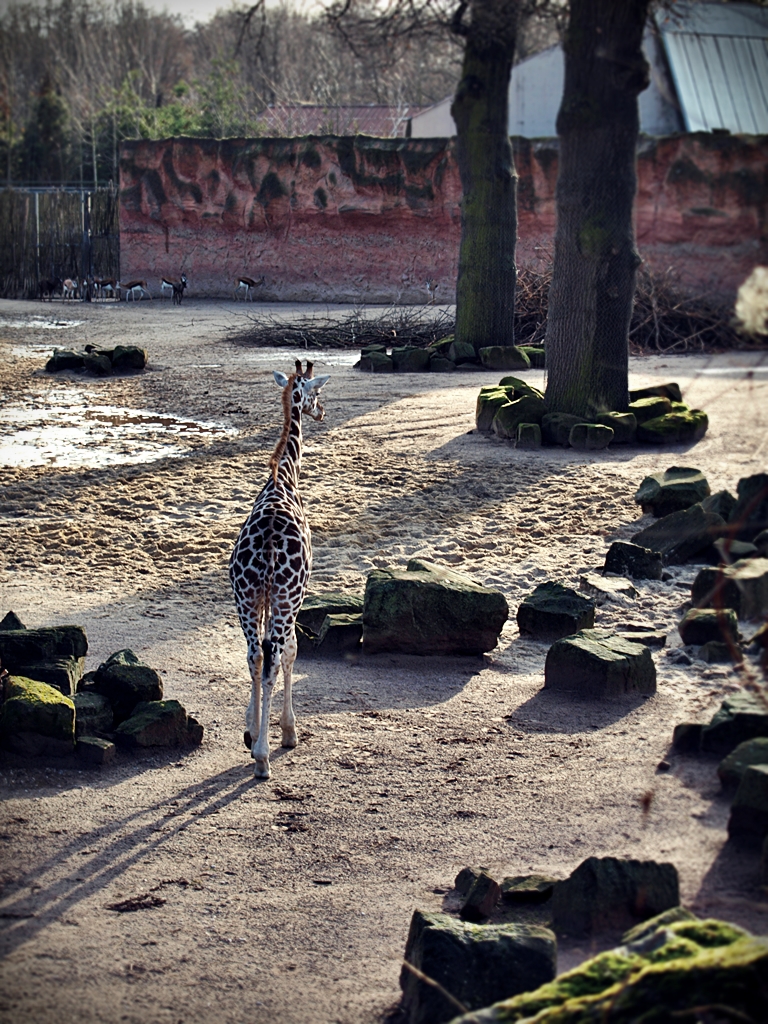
(595, 263)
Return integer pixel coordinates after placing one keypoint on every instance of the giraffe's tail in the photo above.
(267, 650)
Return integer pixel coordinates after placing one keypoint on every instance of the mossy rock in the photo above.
(625, 559)
(740, 717)
(670, 390)
(520, 387)
(376, 362)
(669, 973)
(441, 346)
(649, 408)
(36, 719)
(528, 435)
(598, 664)
(590, 437)
(126, 681)
(681, 536)
(748, 822)
(98, 364)
(536, 356)
(556, 427)
(489, 401)
(700, 625)
(731, 769)
(508, 418)
(623, 425)
(159, 723)
(527, 889)
(749, 516)
(553, 611)
(409, 359)
(29, 646)
(440, 364)
(504, 357)
(93, 714)
(65, 359)
(674, 428)
(62, 673)
(316, 607)
(128, 357)
(461, 352)
(671, 490)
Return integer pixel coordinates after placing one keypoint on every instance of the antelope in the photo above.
(106, 284)
(166, 285)
(431, 285)
(69, 289)
(132, 287)
(247, 284)
(49, 287)
(178, 290)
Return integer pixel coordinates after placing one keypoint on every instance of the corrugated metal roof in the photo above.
(718, 56)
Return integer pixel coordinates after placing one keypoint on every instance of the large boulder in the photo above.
(731, 769)
(159, 723)
(65, 359)
(36, 719)
(30, 646)
(748, 821)
(409, 359)
(477, 964)
(128, 357)
(429, 609)
(623, 425)
(670, 972)
(556, 427)
(489, 401)
(126, 681)
(93, 714)
(504, 357)
(750, 577)
(606, 893)
(553, 611)
(334, 602)
(625, 559)
(670, 390)
(62, 673)
(750, 514)
(674, 427)
(714, 588)
(649, 407)
(740, 717)
(700, 625)
(722, 502)
(681, 536)
(526, 409)
(596, 663)
(520, 387)
(590, 437)
(671, 490)
(375, 362)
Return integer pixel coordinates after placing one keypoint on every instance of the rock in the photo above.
(466, 879)
(760, 542)
(686, 738)
(606, 588)
(527, 409)
(536, 356)
(590, 437)
(750, 514)
(126, 681)
(742, 716)
(715, 588)
(439, 364)
(528, 435)
(98, 364)
(732, 767)
(477, 964)
(670, 391)
(654, 639)
(339, 635)
(504, 357)
(556, 427)
(481, 898)
(30, 646)
(376, 362)
(596, 663)
(95, 750)
(429, 609)
(760, 638)
(649, 408)
(606, 893)
(721, 502)
(671, 490)
(520, 387)
(751, 578)
(461, 352)
(625, 559)
(159, 723)
(748, 821)
(674, 428)
(65, 359)
(553, 611)
(645, 929)
(687, 964)
(718, 652)
(623, 425)
(410, 360)
(11, 621)
(36, 719)
(62, 673)
(441, 346)
(93, 714)
(699, 625)
(518, 889)
(729, 550)
(683, 535)
(489, 401)
(334, 602)
(128, 357)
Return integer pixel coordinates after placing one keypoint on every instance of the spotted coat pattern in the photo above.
(270, 568)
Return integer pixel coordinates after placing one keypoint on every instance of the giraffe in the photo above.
(270, 566)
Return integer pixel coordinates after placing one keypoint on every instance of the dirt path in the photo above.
(290, 900)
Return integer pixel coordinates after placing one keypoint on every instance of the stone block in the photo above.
(482, 897)
(489, 401)
(65, 359)
(30, 646)
(674, 428)
(700, 625)
(623, 425)
(748, 821)
(649, 407)
(527, 889)
(715, 588)
(528, 435)
(536, 356)
(740, 717)
(596, 663)
(672, 490)
(429, 609)
(669, 390)
(94, 750)
(749, 516)
(477, 964)
(717, 652)
(721, 502)
(439, 364)
(98, 364)
(610, 893)
(556, 427)
(128, 357)
(603, 589)
(553, 611)
(62, 673)
(466, 879)
(409, 359)
(126, 681)
(520, 387)
(36, 719)
(681, 536)
(339, 635)
(590, 437)
(93, 714)
(526, 409)
(732, 767)
(461, 352)
(11, 621)
(654, 639)
(504, 357)
(159, 723)
(625, 559)
(376, 362)
(333, 602)
(686, 737)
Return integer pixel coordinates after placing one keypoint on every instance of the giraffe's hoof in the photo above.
(247, 739)
(261, 768)
(290, 739)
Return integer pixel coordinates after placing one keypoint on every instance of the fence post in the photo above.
(85, 248)
(37, 237)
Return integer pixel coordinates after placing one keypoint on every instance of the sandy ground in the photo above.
(290, 900)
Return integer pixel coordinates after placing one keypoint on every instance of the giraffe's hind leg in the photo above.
(253, 714)
(288, 719)
(260, 748)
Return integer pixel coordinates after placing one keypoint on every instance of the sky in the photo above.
(192, 10)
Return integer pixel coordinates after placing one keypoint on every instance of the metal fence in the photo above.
(49, 232)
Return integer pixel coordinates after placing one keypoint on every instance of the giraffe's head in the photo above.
(304, 389)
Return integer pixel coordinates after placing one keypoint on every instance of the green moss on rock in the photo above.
(36, 718)
(674, 428)
(508, 418)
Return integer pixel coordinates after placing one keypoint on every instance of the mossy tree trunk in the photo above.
(485, 289)
(593, 282)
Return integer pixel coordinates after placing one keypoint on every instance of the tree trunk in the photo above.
(485, 289)
(593, 281)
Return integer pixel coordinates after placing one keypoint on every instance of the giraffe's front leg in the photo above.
(253, 714)
(288, 719)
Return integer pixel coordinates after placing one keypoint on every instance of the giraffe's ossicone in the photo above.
(270, 567)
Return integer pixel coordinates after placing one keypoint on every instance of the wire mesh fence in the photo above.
(50, 234)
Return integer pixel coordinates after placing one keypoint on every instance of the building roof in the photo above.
(379, 120)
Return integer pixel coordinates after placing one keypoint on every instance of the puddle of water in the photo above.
(40, 323)
(279, 359)
(81, 435)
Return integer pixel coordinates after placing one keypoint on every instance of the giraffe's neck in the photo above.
(286, 461)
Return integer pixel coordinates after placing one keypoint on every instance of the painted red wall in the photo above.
(359, 219)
